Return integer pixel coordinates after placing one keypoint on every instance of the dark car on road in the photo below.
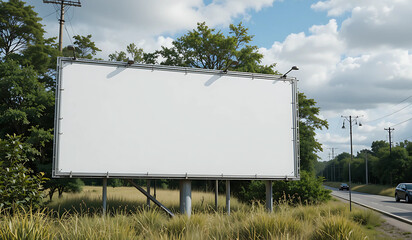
(403, 191)
(344, 186)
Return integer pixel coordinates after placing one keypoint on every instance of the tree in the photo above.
(377, 146)
(136, 54)
(205, 48)
(19, 27)
(84, 47)
(19, 185)
(23, 100)
(309, 122)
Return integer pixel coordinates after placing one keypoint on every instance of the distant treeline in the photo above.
(386, 165)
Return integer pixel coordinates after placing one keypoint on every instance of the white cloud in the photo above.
(115, 24)
(373, 23)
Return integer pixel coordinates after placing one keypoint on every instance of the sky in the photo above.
(355, 57)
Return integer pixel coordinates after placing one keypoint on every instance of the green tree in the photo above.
(309, 122)
(84, 47)
(19, 186)
(205, 48)
(377, 146)
(136, 54)
(23, 100)
(19, 27)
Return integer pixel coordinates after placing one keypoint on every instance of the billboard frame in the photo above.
(56, 173)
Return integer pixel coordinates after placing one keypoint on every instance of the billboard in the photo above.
(151, 121)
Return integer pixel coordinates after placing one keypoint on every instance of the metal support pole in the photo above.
(154, 189)
(216, 194)
(148, 191)
(228, 197)
(151, 198)
(185, 197)
(104, 195)
(351, 159)
(269, 196)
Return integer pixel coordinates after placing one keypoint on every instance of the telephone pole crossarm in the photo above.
(64, 2)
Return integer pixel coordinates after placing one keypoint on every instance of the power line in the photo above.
(391, 113)
(50, 14)
(63, 4)
(401, 122)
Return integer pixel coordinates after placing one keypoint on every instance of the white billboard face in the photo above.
(148, 121)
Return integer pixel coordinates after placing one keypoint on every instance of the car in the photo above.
(403, 191)
(344, 186)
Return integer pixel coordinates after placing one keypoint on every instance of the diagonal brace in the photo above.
(151, 198)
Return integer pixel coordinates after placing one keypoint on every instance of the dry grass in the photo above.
(123, 199)
(327, 221)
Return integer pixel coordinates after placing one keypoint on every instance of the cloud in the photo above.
(373, 23)
(316, 54)
(149, 24)
(362, 67)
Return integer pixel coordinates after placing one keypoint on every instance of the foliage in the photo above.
(205, 48)
(19, 27)
(309, 122)
(301, 222)
(308, 190)
(84, 47)
(19, 186)
(385, 166)
(137, 55)
(23, 101)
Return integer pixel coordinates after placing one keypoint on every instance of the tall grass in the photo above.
(327, 221)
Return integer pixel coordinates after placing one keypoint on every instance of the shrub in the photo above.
(338, 227)
(308, 190)
(20, 187)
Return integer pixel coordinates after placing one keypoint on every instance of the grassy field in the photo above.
(383, 190)
(129, 219)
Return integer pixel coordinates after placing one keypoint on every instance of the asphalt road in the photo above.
(382, 203)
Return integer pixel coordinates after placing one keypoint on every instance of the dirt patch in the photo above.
(395, 229)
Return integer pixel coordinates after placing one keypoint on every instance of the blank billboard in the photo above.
(150, 121)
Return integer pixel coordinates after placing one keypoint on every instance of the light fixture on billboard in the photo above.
(293, 68)
(72, 48)
(130, 62)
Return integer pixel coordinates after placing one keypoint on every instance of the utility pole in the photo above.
(62, 3)
(390, 145)
(334, 165)
(390, 138)
(350, 120)
(366, 168)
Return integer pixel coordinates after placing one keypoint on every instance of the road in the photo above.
(381, 203)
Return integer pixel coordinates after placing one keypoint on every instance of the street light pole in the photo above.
(350, 120)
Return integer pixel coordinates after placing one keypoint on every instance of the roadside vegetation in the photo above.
(35, 206)
(128, 218)
(383, 190)
(387, 166)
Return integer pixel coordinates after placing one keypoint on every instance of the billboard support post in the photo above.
(148, 191)
(216, 193)
(228, 197)
(104, 195)
(185, 197)
(269, 196)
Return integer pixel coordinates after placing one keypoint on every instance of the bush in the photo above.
(308, 190)
(19, 186)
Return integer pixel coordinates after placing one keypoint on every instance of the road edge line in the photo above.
(380, 211)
